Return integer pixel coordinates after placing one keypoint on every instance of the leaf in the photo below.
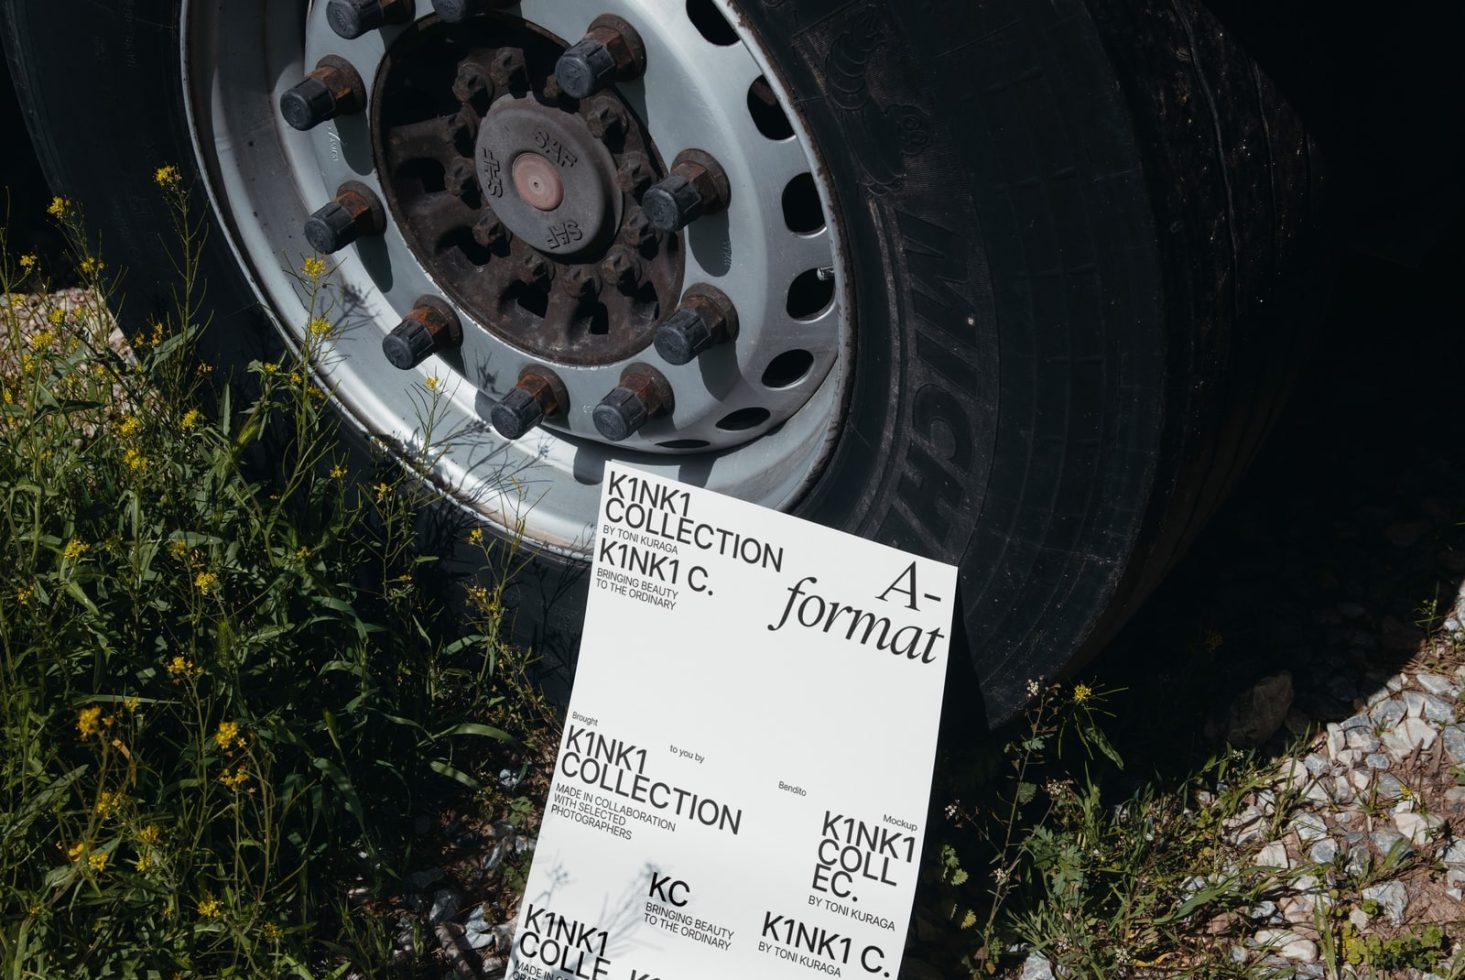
(344, 786)
(1026, 792)
(453, 772)
(76, 593)
(473, 728)
(1094, 736)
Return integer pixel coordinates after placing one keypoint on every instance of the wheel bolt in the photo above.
(430, 327)
(454, 11)
(535, 270)
(642, 395)
(538, 395)
(636, 229)
(606, 120)
(696, 186)
(509, 70)
(460, 177)
(473, 85)
(705, 318)
(489, 230)
(610, 51)
(634, 175)
(353, 18)
(333, 89)
(356, 211)
(622, 267)
(581, 282)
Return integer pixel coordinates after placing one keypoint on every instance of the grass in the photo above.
(223, 695)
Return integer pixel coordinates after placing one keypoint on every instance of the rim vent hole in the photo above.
(809, 295)
(802, 212)
(787, 369)
(766, 112)
(743, 418)
(710, 23)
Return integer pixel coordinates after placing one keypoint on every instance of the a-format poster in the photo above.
(742, 786)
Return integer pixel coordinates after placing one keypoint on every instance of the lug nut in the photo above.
(622, 267)
(581, 282)
(489, 230)
(705, 318)
(634, 175)
(509, 70)
(353, 18)
(356, 211)
(696, 186)
(454, 11)
(611, 51)
(460, 177)
(473, 84)
(642, 395)
(535, 270)
(636, 229)
(432, 326)
(333, 89)
(606, 120)
(538, 395)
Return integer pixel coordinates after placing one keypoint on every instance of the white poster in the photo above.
(742, 786)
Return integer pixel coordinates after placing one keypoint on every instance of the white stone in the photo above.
(1324, 851)
(1359, 918)
(1360, 778)
(1393, 900)
(1349, 758)
(1301, 950)
(1036, 967)
(1415, 827)
(1362, 739)
(1437, 684)
(1455, 742)
(1309, 826)
(1387, 713)
(1336, 742)
(1274, 855)
(1455, 853)
(1408, 735)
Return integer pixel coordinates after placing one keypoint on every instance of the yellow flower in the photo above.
(27, 262)
(75, 851)
(134, 460)
(319, 327)
(42, 340)
(269, 367)
(228, 735)
(181, 668)
(88, 719)
(107, 801)
(131, 704)
(142, 863)
(314, 267)
(302, 553)
(9, 398)
(59, 208)
(475, 536)
(337, 471)
(1081, 693)
(381, 490)
(157, 336)
(167, 177)
(150, 834)
(90, 265)
(205, 582)
(56, 317)
(74, 549)
(128, 426)
(478, 594)
(296, 377)
(190, 418)
(97, 860)
(432, 382)
(270, 931)
(23, 594)
(209, 907)
(234, 779)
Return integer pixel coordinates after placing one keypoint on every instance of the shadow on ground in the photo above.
(1342, 545)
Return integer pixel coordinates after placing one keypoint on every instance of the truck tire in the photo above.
(1017, 285)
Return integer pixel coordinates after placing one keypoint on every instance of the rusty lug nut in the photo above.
(353, 18)
(489, 230)
(581, 282)
(642, 395)
(634, 174)
(606, 120)
(461, 129)
(611, 51)
(509, 70)
(460, 177)
(473, 85)
(622, 267)
(705, 318)
(636, 229)
(535, 270)
(430, 327)
(333, 89)
(538, 395)
(356, 211)
(454, 11)
(696, 186)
